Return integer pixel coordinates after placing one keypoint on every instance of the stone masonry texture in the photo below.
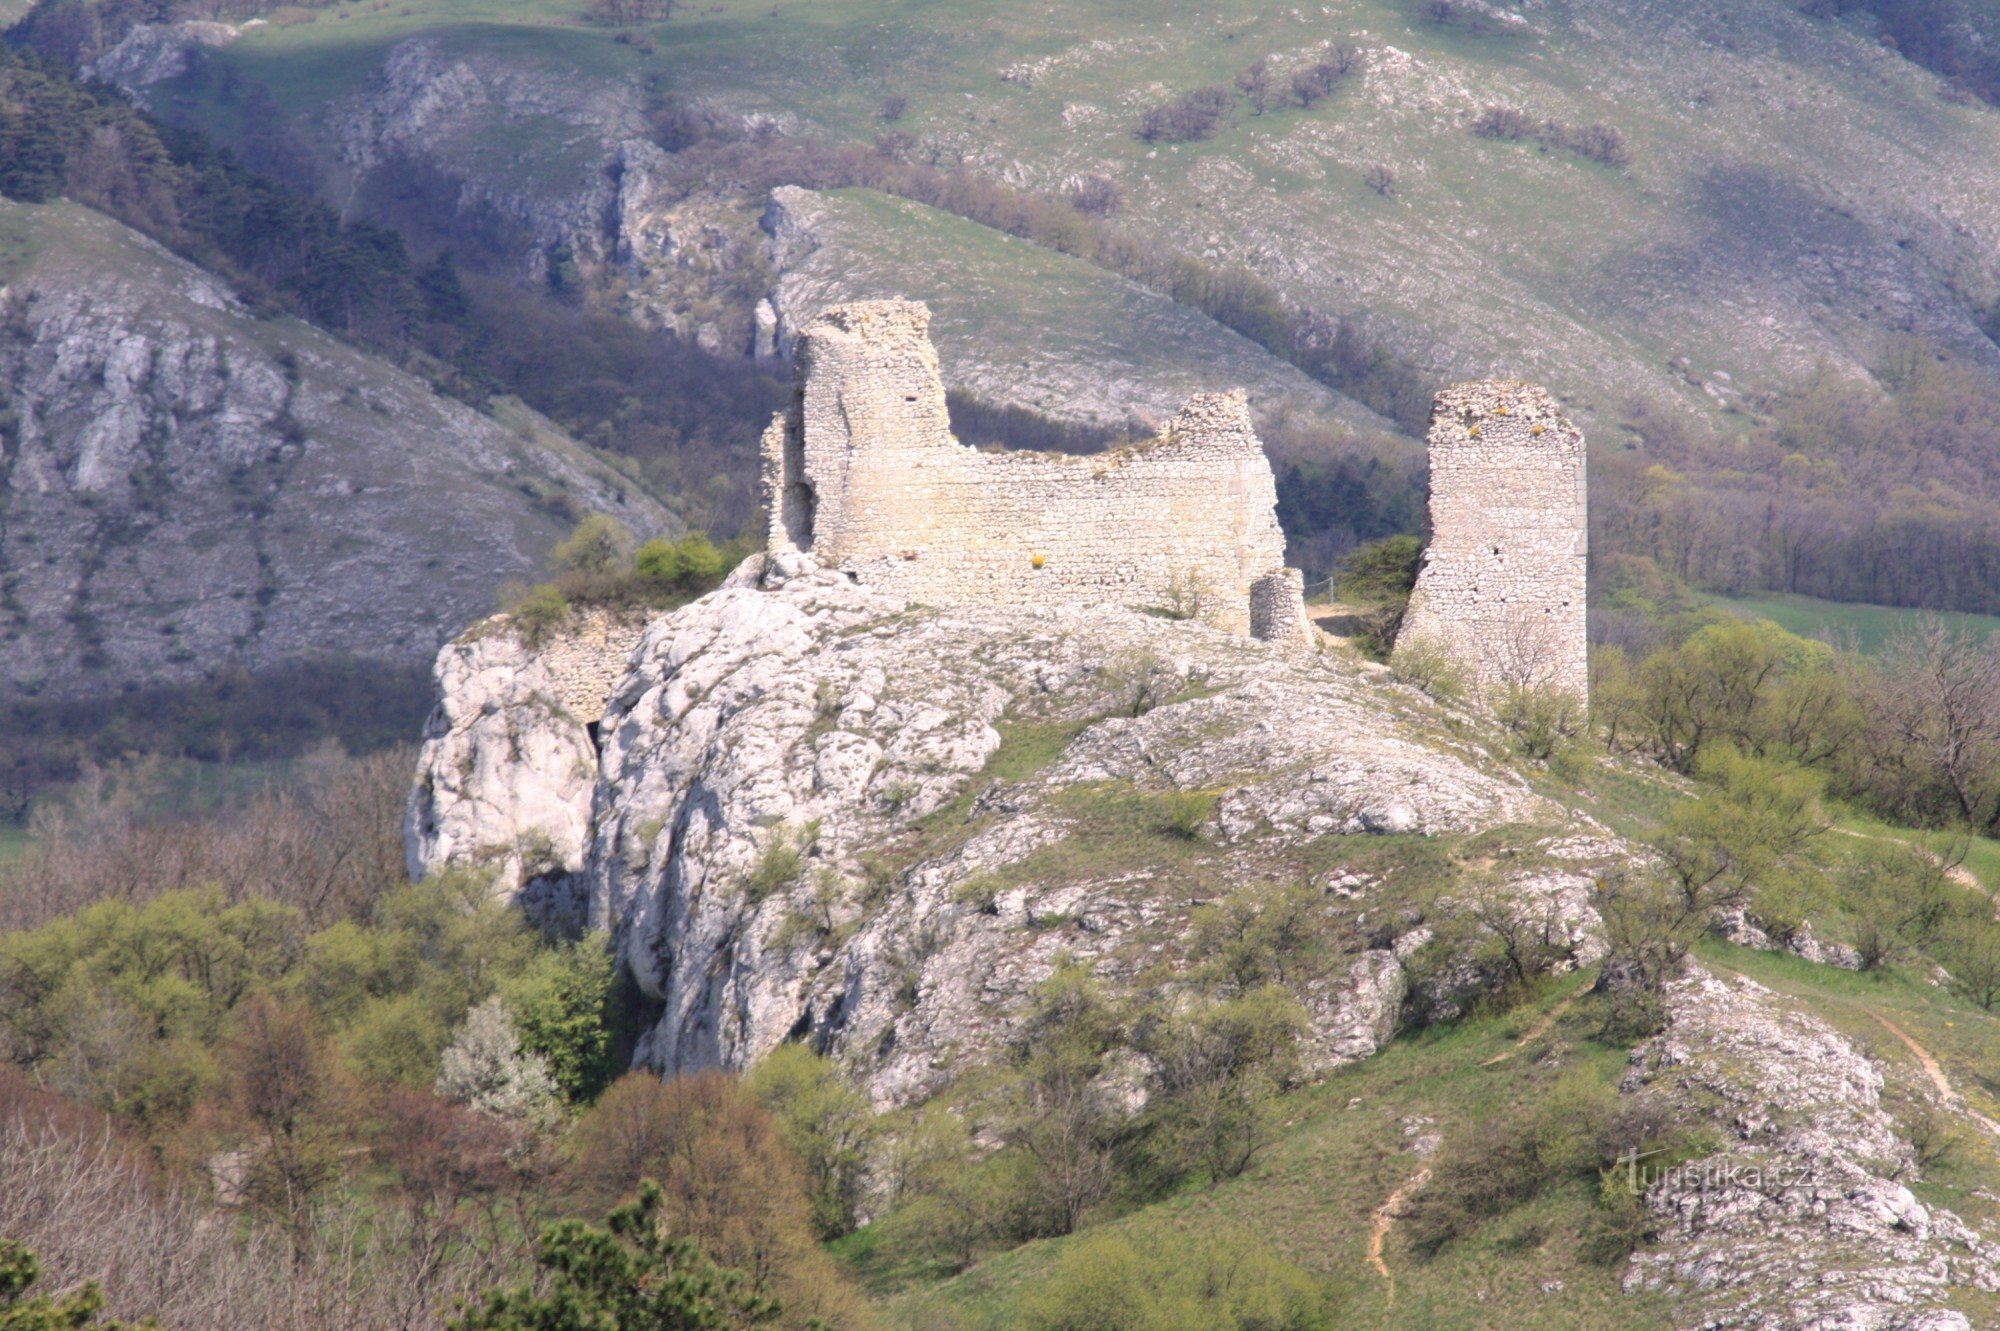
(1501, 590)
(863, 474)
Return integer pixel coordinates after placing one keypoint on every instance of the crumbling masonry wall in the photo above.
(1501, 590)
(863, 474)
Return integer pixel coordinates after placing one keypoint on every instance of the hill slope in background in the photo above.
(1796, 195)
(189, 485)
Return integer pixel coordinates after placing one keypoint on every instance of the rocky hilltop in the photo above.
(815, 812)
(183, 483)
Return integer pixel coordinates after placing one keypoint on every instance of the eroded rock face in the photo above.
(186, 485)
(1805, 1219)
(510, 759)
(785, 844)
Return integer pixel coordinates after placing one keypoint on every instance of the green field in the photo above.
(1868, 627)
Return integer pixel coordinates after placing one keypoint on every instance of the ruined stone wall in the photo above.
(863, 473)
(1501, 590)
(586, 658)
(1278, 610)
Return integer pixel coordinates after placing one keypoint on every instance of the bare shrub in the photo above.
(894, 107)
(1381, 179)
(1096, 196)
(1316, 83)
(1188, 118)
(1503, 122)
(92, 1211)
(329, 843)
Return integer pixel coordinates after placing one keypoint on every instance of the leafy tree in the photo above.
(566, 1011)
(627, 1276)
(828, 1125)
(600, 544)
(1060, 1119)
(485, 1068)
(19, 1270)
(1748, 831)
(1379, 577)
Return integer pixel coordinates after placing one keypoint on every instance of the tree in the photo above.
(485, 1068)
(628, 1276)
(1938, 708)
(566, 1013)
(727, 1181)
(828, 1125)
(1378, 578)
(1381, 179)
(1060, 1118)
(600, 544)
(1315, 83)
(19, 1270)
(287, 1088)
(1255, 83)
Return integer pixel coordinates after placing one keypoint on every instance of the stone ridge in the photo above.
(863, 474)
(1501, 590)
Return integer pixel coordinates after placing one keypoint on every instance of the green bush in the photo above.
(539, 612)
(567, 1009)
(694, 561)
(1170, 1281)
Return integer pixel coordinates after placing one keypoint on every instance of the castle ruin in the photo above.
(1501, 591)
(863, 474)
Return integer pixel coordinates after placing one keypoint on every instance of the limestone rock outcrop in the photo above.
(1804, 1219)
(184, 484)
(812, 817)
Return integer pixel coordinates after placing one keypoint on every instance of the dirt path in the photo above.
(1385, 1220)
(1534, 1033)
(1935, 1071)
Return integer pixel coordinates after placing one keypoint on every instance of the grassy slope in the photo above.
(1344, 1149)
(1752, 233)
(1007, 312)
(1870, 626)
(1313, 1194)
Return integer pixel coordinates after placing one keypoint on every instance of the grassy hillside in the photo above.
(1869, 626)
(1750, 232)
(1007, 312)
(1346, 1148)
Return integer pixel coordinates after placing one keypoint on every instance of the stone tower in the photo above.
(863, 474)
(1501, 590)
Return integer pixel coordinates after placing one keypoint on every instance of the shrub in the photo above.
(485, 1068)
(779, 862)
(1219, 1281)
(1544, 722)
(600, 544)
(694, 561)
(1188, 118)
(538, 613)
(1426, 665)
(1184, 813)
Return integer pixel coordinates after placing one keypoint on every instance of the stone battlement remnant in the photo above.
(1501, 590)
(863, 473)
